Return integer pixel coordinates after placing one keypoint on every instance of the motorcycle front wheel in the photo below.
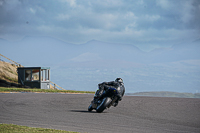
(90, 107)
(104, 104)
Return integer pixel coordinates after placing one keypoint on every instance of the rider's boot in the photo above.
(115, 103)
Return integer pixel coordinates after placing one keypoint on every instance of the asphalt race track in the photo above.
(69, 112)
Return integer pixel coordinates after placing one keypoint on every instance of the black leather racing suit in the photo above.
(119, 86)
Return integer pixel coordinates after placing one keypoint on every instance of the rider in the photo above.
(117, 85)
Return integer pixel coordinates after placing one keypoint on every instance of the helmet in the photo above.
(119, 80)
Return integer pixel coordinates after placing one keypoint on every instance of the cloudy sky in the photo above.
(144, 23)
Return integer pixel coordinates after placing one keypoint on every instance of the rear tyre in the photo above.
(90, 108)
(105, 102)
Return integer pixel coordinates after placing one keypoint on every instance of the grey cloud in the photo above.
(195, 12)
(126, 21)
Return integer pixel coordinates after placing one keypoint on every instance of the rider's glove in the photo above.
(96, 96)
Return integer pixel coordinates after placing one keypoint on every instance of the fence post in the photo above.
(54, 86)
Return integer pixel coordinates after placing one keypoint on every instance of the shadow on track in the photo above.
(84, 111)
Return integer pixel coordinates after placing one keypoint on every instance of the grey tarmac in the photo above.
(134, 114)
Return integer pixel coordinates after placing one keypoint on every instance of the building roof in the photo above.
(34, 68)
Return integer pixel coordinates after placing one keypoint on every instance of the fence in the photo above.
(55, 85)
(17, 64)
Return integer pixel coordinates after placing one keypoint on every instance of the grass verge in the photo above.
(10, 128)
(4, 89)
(166, 94)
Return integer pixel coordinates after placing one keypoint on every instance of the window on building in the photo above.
(42, 78)
(35, 74)
(48, 73)
(28, 75)
(44, 75)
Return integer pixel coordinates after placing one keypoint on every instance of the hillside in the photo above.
(9, 76)
(8, 72)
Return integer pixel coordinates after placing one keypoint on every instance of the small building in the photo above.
(34, 77)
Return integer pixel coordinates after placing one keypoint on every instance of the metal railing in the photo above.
(55, 85)
(17, 64)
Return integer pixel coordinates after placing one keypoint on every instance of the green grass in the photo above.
(10, 128)
(4, 89)
(167, 94)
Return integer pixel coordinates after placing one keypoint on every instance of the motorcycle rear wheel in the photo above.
(104, 104)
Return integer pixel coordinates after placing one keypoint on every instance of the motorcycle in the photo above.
(101, 104)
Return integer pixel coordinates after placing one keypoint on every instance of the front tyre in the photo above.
(90, 108)
(105, 102)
